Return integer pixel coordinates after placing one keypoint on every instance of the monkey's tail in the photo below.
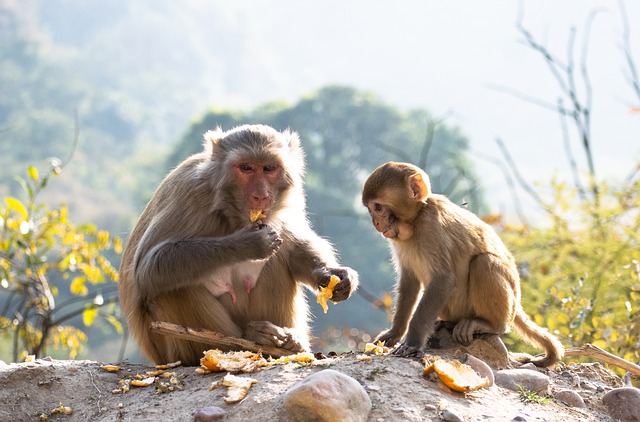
(554, 351)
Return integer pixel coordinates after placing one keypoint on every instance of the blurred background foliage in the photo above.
(580, 267)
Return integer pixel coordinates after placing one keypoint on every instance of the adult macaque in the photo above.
(451, 266)
(194, 258)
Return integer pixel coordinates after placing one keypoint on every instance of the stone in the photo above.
(570, 397)
(449, 415)
(209, 414)
(623, 404)
(327, 396)
(513, 379)
(487, 347)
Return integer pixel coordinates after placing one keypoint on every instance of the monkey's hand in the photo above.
(265, 332)
(348, 281)
(258, 241)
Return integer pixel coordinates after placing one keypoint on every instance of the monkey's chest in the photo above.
(224, 280)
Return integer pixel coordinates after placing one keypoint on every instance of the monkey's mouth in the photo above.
(390, 233)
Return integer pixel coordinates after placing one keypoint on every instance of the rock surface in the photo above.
(396, 387)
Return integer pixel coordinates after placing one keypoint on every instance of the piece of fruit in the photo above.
(216, 360)
(110, 368)
(456, 375)
(255, 215)
(238, 387)
(145, 382)
(326, 293)
(377, 349)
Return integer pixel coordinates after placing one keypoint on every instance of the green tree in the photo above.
(39, 249)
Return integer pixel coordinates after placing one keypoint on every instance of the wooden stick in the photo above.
(218, 340)
(597, 353)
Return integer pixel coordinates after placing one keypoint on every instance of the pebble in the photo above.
(513, 379)
(623, 404)
(327, 396)
(449, 415)
(519, 419)
(209, 414)
(571, 398)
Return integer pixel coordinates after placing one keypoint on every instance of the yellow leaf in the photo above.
(562, 318)
(33, 173)
(115, 323)
(601, 344)
(89, 315)
(16, 205)
(551, 323)
(78, 287)
(538, 319)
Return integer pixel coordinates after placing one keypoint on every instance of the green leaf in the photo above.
(17, 205)
(89, 315)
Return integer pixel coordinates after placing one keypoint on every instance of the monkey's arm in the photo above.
(177, 263)
(313, 262)
(408, 293)
(422, 323)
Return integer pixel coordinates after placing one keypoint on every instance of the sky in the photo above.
(458, 59)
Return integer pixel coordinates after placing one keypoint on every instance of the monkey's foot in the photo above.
(407, 351)
(267, 333)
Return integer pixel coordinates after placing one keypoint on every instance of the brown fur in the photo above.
(189, 257)
(450, 264)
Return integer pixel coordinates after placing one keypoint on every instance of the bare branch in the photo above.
(569, 152)
(529, 99)
(597, 353)
(403, 156)
(634, 80)
(215, 339)
(510, 184)
(514, 168)
(432, 125)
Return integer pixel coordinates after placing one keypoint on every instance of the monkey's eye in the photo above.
(245, 167)
(377, 207)
(269, 168)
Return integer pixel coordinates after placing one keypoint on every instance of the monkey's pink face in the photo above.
(383, 219)
(386, 222)
(258, 181)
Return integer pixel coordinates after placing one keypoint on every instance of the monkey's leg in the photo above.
(194, 308)
(265, 332)
(491, 299)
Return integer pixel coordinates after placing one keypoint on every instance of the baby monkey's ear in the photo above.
(419, 186)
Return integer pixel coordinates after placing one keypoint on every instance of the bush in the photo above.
(40, 249)
(581, 273)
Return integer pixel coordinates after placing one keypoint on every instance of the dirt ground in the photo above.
(396, 386)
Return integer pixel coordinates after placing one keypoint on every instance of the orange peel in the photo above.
(255, 215)
(326, 293)
(457, 375)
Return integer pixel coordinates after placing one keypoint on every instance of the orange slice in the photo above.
(326, 293)
(255, 215)
(457, 375)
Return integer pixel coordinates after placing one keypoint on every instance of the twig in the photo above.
(215, 339)
(592, 351)
(514, 168)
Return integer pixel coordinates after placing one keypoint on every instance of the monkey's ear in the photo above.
(419, 187)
